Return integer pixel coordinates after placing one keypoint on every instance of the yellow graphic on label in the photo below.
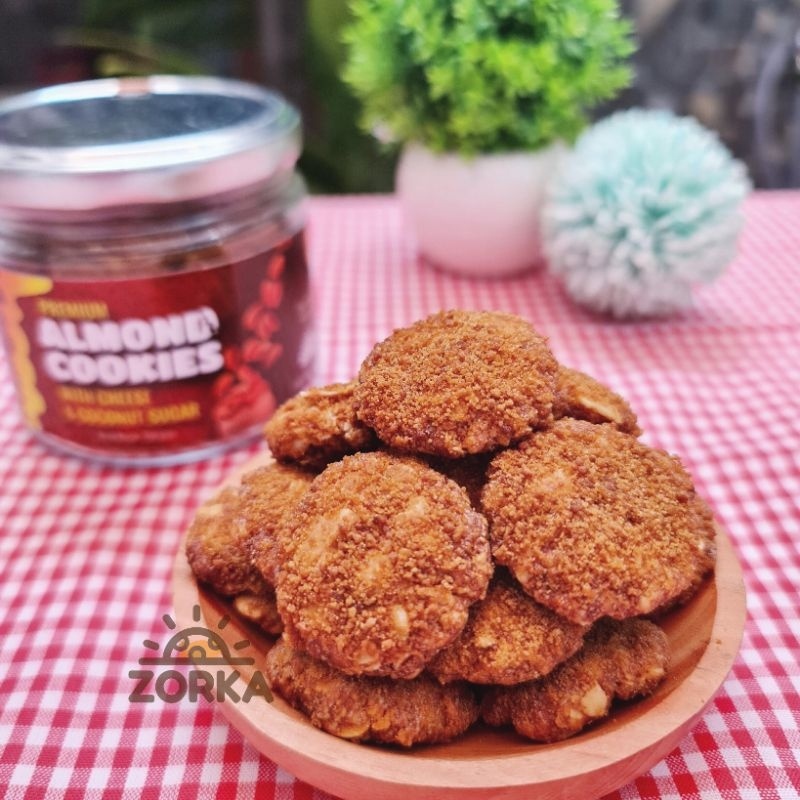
(13, 287)
(72, 309)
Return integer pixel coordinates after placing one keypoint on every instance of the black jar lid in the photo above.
(160, 139)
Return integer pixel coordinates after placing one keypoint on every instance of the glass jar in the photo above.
(153, 282)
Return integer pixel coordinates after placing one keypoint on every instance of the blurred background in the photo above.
(734, 64)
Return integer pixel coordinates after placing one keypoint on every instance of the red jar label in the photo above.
(156, 365)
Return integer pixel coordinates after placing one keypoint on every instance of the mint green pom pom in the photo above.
(647, 205)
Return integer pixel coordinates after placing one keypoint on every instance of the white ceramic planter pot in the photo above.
(478, 216)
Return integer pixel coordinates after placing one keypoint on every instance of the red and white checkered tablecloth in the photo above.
(86, 552)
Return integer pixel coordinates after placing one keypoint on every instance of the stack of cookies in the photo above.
(468, 530)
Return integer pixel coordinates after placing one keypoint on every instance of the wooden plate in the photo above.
(489, 763)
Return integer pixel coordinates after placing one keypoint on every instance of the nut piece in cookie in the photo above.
(384, 559)
(218, 546)
(261, 610)
(581, 396)
(619, 659)
(456, 383)
(594, 523)
(268, 496)
(509, 639)
(318, 426)
(406, 713)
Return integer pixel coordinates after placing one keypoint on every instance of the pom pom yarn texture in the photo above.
(647, 205)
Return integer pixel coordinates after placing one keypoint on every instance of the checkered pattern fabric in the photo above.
(86, 551)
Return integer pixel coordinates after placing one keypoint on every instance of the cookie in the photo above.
(385, 557)
(458, 383)
(594, 523)
(405, 713)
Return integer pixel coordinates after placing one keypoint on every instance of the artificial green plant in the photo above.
(478, 76)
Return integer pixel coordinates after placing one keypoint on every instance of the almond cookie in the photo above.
(268, 496)
(509, 639)
(581, 396)
(456, 383)
(383, 561)
(218, 546)
(318, 426)
(418, 711)
(619, 659)
(594, 523)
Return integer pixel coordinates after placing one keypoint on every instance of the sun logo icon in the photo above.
(197, 646)
(183, 646)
